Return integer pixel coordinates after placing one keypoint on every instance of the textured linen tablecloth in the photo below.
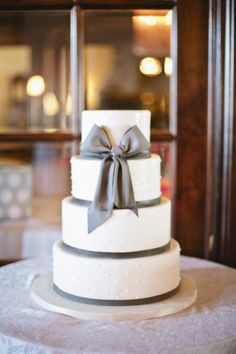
(209, 326)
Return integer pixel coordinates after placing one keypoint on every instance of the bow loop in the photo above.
(114, 186)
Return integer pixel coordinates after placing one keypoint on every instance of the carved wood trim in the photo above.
(190, 202)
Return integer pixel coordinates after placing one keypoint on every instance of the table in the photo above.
(207, 327)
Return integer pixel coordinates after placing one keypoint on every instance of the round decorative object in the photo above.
(15, 211)
(14, 179)
(23, 195)
(44, 295)
(6, 196)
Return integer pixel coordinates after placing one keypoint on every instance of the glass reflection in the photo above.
(128, 62)
(34, 70)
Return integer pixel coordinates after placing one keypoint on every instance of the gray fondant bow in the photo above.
(114, 186)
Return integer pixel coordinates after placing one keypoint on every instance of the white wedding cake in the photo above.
(123, 256)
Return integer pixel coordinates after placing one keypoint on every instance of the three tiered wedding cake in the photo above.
(116, 246)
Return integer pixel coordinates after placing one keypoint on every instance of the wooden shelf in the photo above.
(23, 136)
(162, 135)
(34, 136)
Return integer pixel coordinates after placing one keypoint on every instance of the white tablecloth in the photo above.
(207, 327)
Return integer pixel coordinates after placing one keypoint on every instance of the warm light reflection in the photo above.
(148, 20)
(68, 105)
(150, 66)
(35, 86)
(51, 105)
(152, 34)
(168, 66)
(168, 18)
(155, 20)
(147, 98)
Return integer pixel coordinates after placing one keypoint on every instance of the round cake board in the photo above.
(45, 296)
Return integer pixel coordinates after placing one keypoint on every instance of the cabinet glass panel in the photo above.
(34, 70)
(166, 151)
(128, 62)
(34, 178)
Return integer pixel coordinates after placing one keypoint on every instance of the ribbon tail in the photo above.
(123, 188)
(135, 211)
(101, 207)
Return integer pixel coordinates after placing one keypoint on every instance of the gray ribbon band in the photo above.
(131, 302)
(139, 204)
(118, 255)
(114, 187)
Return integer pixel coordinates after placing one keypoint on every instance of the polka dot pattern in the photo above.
(99, 278)
(15, 192)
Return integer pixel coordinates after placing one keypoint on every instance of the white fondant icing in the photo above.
(116, 123)
(110, 278)
(122, 232)
(163, 276)
(145, 176)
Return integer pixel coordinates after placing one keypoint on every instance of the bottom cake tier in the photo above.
(116, 281)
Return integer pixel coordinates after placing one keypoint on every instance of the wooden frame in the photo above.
(87, 4)
(220, 232)
(205, 135)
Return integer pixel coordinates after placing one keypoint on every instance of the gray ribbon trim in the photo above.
(103, 302)
(114, 187)
(118, 255)
(139, 204)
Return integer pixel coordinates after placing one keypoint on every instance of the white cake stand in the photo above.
(44, 295)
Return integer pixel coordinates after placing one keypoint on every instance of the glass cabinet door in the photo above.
(35, 112)
(130, 63)
(35, 70)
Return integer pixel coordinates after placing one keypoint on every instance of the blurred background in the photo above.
(57, 59)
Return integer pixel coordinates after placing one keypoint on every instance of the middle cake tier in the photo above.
(145, 176)
(122, 232)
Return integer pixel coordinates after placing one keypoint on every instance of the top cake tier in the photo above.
(116, 123)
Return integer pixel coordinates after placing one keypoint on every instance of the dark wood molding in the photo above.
(162, 135)
(86, 4)
(214, 128)
(220, 231)
(190, 201)
(226, 249)
(13, 136)
(14, 5)
(37, 136)
(126, 4)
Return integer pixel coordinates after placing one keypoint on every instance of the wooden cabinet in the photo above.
(202, 134)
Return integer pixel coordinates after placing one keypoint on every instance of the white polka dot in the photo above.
(126, 290)
(28, 211)
(14, 180)
(23, 195)
(6, 196)
(136, 281)
(1, 213)
(14, 211)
